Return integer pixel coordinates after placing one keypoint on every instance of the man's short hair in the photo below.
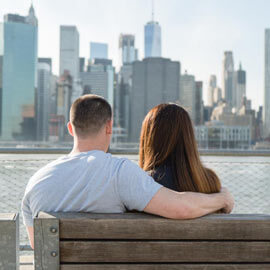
(89, 113)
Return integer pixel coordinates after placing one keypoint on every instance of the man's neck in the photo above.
(87, 145)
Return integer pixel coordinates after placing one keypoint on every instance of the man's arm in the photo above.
(187, 205)
(30, 231)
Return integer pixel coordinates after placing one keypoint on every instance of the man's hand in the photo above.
(228, 199)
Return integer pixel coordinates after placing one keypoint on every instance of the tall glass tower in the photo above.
(152, 40)
(18, 60)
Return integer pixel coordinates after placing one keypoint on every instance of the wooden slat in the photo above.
(166, 267)
(139, 215)
(7, 216)
(26, 260)
(124, 226)
(164, 252)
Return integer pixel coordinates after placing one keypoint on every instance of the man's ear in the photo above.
(70, 129)
(109, 127)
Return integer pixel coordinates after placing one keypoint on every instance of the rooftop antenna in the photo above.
(153, 10)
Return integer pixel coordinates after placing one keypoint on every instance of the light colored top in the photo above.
(91, 181)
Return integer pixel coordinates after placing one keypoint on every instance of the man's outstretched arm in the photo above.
(187, 205)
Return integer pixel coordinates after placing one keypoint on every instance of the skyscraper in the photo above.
(122, 98)
(63, 102)
(69, 51)
(152, 38)
(228, 77)
(239, 87)
(187, 94)
(128, 53)
(199, 104)
(212, 85)
(99, 80)
(154, 81)
(266, 112)
(18, 59)
(98, 50)
(217, 95)
(43, 100)
(47, 61)
(82, 64)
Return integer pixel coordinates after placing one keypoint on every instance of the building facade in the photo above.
(99, 80)
(187, 94)
(69, 51)
(221, 137)
(266, 111)
(211, 87)
(43, 100)
(239, 87)
(128, 52)
(98, 50)
(199, 104)
(217, 95)
(18, 59)
(245, 117)
(63, 103)
(47, 61)
(152, 39)
(154, 81)
(228, 78)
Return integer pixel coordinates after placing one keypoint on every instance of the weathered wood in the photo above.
(166, 267)
(7, 216)
(9, 241)
(26, 267)
(124, 226)
(27, 260)
(119, 241)
(164, 251)
(46, 237)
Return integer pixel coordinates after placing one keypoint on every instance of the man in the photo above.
(90, 180)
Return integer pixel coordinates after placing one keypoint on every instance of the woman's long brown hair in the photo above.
(167, 137)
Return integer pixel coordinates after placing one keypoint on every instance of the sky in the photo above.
(194, 32)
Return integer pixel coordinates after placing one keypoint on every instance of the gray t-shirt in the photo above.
(91, 181)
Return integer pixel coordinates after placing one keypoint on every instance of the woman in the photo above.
(168, 151)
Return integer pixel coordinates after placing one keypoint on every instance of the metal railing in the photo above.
(248, 178)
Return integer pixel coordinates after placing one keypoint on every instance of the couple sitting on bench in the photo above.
(172, 182)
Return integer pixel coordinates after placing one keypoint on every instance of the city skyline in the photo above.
(184, 24)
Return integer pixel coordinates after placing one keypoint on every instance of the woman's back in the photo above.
(164, 176)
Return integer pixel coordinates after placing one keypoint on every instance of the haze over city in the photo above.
(194, 32)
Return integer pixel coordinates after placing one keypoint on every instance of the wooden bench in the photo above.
(9, 241)
(81, 241)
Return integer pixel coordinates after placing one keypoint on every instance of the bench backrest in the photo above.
(127, 241)
(9, 241)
